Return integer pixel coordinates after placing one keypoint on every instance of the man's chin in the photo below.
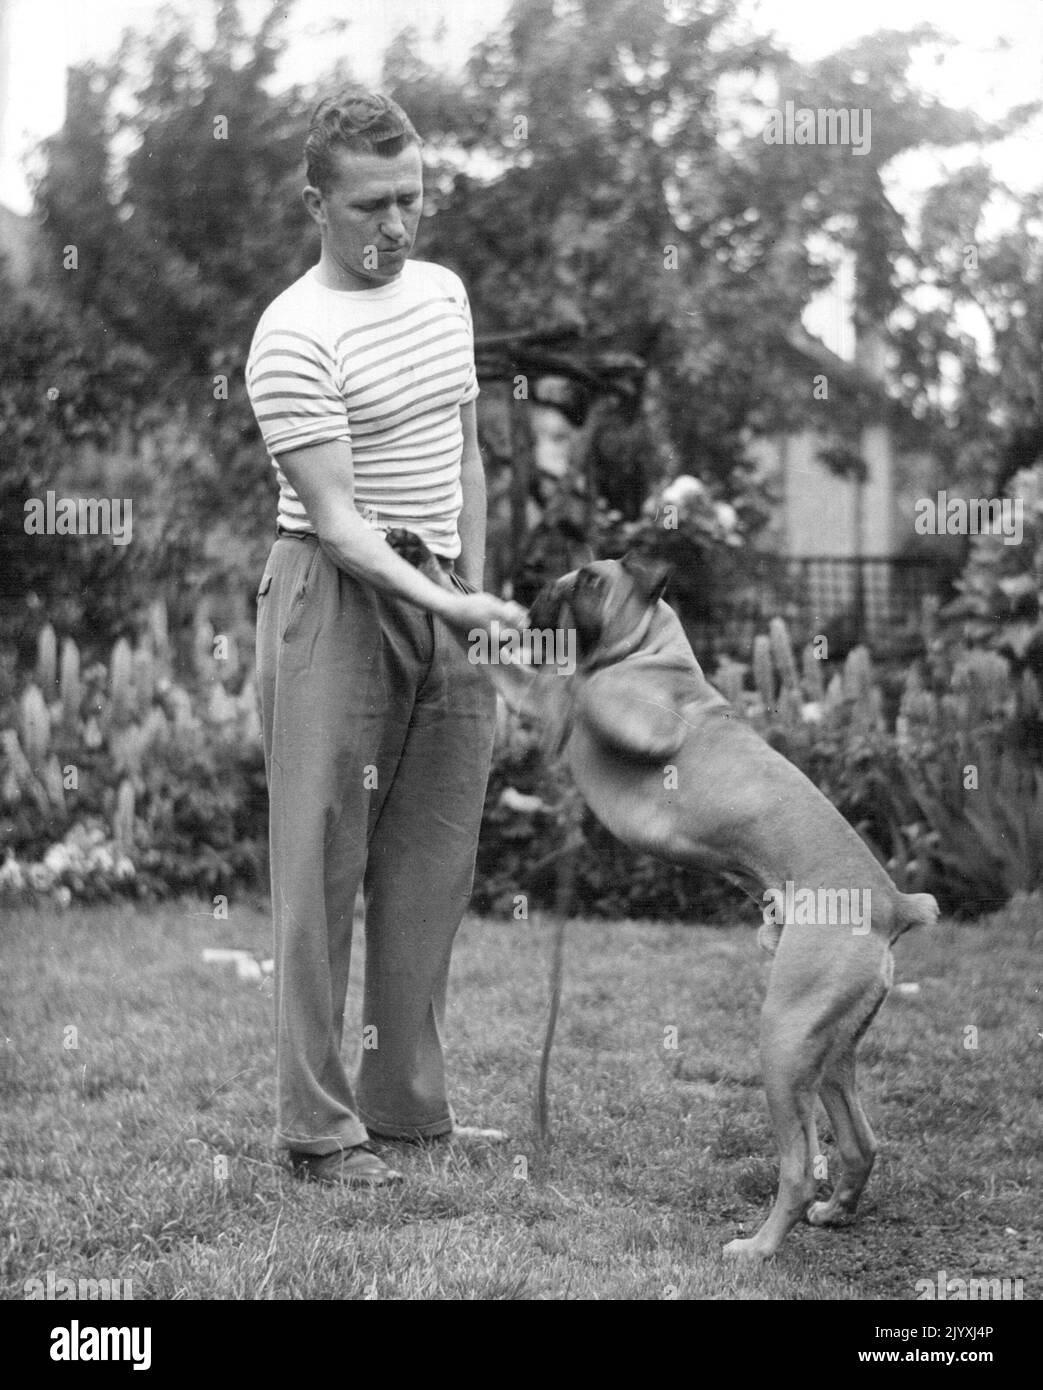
(387, 268)
(372, 277)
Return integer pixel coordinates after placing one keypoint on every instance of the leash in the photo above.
(567, 858)
(565, 885)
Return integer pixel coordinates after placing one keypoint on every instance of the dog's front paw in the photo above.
(746, 1250)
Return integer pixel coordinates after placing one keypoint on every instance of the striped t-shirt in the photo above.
(387, 370)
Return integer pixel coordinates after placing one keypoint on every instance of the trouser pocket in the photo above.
(283, 593)
(300, 591)
(462, 584)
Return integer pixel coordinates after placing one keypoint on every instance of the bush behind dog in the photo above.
(119, 780)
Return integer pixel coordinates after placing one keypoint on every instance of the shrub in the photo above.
(1000, 588)
(119, 780)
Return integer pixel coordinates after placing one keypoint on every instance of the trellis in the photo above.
(607, 379)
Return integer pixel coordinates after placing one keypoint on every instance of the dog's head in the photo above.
(605, 603)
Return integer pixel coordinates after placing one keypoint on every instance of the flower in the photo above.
(57, 859)
(683, 491)
(11, 876)
(100, 858)
(40, 878)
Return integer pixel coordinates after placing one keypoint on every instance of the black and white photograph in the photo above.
(521, 665)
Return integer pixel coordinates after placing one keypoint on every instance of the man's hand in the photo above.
(470, 611)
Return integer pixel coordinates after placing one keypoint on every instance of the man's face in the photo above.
(369, 214)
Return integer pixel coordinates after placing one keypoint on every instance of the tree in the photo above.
(632, 190)
(67, 389)
(178, 247)
(600, 163)
(981, 391)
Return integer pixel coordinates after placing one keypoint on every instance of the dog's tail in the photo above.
(914, 910)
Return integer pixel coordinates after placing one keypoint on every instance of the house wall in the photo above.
(818, 512)
(17, 244)
(878, 505)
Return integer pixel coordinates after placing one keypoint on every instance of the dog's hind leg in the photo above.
(825, 988)
(855, 1140)
(792, 1059)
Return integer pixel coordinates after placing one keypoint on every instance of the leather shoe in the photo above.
(360, 1165)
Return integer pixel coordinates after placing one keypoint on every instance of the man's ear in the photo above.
(312, 199)
(650, 576)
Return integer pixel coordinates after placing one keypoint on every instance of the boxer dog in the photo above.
(668, 767)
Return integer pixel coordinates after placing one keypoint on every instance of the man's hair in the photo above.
(358, 120)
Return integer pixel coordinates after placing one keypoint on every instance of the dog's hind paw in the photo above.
(746, 1250)
(828, 1214)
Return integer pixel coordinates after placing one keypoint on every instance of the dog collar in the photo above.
(624, 647)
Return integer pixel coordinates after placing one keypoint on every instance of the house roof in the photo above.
(870, 391)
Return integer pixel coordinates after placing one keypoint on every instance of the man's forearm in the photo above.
(472, 521)
(355, 547)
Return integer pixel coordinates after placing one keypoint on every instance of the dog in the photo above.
(668, 767)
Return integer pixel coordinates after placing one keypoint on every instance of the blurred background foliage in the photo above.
(584, 147)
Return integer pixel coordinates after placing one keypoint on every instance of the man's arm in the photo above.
(471, 524)
(322, 478)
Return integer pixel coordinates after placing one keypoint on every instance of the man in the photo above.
(377, 730)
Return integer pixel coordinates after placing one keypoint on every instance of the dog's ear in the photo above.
(650, 576)
(637, 714)
(545, 609)
(586, 620)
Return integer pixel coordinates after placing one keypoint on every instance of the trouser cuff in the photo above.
(347, 1138)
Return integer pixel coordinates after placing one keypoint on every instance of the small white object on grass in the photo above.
(247, 966)
(909, 990)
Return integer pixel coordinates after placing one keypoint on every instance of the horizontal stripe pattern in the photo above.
(386, 370)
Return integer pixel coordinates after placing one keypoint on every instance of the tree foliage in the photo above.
(634, 191)
(600, 161)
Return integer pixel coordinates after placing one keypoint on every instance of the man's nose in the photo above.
(393, 227)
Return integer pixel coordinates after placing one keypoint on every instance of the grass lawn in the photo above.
(658, 1155)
